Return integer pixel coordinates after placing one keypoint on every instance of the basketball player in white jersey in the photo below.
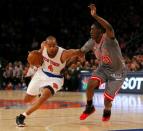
(48, 79)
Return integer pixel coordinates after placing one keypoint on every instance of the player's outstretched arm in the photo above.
(68, 54)
(104, 23)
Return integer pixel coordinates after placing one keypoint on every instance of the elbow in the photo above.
(110, 28)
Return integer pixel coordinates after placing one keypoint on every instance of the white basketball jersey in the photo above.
(53, 65)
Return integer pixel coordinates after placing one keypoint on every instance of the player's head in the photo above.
(96, 30)
(51, 44)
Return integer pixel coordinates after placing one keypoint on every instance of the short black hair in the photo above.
(51, 38)
(98, 26)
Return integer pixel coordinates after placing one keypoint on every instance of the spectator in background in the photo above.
(34, 44)
(8, 76)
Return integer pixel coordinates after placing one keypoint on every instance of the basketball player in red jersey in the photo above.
(48, 79)
(111, 68)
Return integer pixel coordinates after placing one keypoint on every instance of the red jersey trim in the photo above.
(108, 96)
(97, 78)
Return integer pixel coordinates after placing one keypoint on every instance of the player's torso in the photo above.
(53, 65)
(109, 54)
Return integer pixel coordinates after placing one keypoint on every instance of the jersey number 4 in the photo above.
(50, 67)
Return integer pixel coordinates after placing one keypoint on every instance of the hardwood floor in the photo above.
(61, 113)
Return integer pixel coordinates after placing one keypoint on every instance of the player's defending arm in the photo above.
(68, 54)
(105, 24)
(88, 46)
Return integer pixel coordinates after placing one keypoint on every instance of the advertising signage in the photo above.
(133, 82)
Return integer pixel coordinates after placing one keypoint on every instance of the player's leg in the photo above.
(32, 92)
(20, 119)
(98, 77)
(47, 85)
(107, 109)
(111, 89)
(29, 98)
(46, 93)
(54, 84)
(93, 84)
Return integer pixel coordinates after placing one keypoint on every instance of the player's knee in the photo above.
(44, 96)
(48, 90)
(93, 84)
(28, 98)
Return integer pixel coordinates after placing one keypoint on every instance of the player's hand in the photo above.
(82, 59)
(92, 9)
(43, 44)
(80, 54)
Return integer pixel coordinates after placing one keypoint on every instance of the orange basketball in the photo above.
(35, 58)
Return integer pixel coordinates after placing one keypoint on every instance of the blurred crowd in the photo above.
(25, 24)
(17, 75)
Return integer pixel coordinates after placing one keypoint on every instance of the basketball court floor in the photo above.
(61, 113)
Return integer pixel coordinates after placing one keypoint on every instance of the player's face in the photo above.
(95, 32)
(51, 47)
